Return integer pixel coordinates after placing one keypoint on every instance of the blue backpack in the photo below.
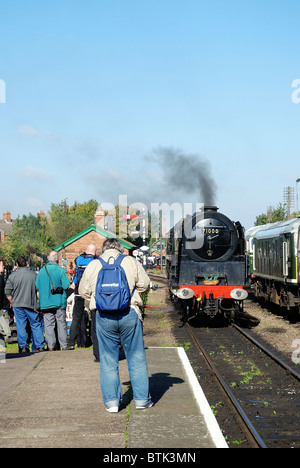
(112, 290)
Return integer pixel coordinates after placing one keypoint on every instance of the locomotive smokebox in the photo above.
(209, 236)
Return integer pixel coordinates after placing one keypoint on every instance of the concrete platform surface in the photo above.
(53, 399)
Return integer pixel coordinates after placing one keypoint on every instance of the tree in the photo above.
(261, 219)
(279, 214)
(30, 237)
(66, 221)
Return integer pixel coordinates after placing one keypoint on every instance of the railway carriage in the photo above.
(276, 263)
(207, 267)
(250, 235)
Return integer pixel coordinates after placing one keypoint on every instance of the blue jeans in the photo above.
(112, 331)
(22, 314)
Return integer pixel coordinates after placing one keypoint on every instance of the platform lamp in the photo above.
(298, 180)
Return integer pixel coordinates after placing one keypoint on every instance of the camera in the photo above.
(58, 290)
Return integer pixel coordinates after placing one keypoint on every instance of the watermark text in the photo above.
(2, 92)
(158, 218)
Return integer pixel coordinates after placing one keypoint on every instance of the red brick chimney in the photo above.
(41, 214)
(99, 217)
(7, 216)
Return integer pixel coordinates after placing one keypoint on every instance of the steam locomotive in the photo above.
(207, 268)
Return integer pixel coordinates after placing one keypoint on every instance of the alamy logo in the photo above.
(2, 92)
(296, 94)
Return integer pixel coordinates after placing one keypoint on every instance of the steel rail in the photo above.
(250, 429)
(268, 352)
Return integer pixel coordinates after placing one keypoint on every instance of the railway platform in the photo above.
(53, 400)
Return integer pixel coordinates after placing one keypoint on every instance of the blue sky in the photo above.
(96, 89)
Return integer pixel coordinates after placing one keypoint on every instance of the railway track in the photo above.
(263, 391)
(255, 395)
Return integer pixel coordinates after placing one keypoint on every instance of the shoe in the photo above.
(69, 348)
(24, 349)
(113, 409)
(148, 405)
(40, 350)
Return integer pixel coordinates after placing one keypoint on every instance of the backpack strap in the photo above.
(117, 261)
(52, 288)
(103, 263)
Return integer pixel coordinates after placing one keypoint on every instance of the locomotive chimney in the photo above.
(210, 208)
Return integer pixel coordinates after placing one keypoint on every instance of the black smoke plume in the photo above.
(188, 174)
(166, 174)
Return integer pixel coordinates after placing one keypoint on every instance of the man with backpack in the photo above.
(112, 284)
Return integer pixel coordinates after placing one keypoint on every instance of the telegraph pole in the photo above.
(144, 235)
(289, 199)
(270, 212)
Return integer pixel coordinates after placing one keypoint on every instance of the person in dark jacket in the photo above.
(5, 331)
(81, 262)
(4, 303)
(21, 293)
(2, 284)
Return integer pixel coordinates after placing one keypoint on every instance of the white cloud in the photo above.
(34, 173)
(27, 130)
(114, 175)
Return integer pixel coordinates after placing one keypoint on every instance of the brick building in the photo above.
(94, 234)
